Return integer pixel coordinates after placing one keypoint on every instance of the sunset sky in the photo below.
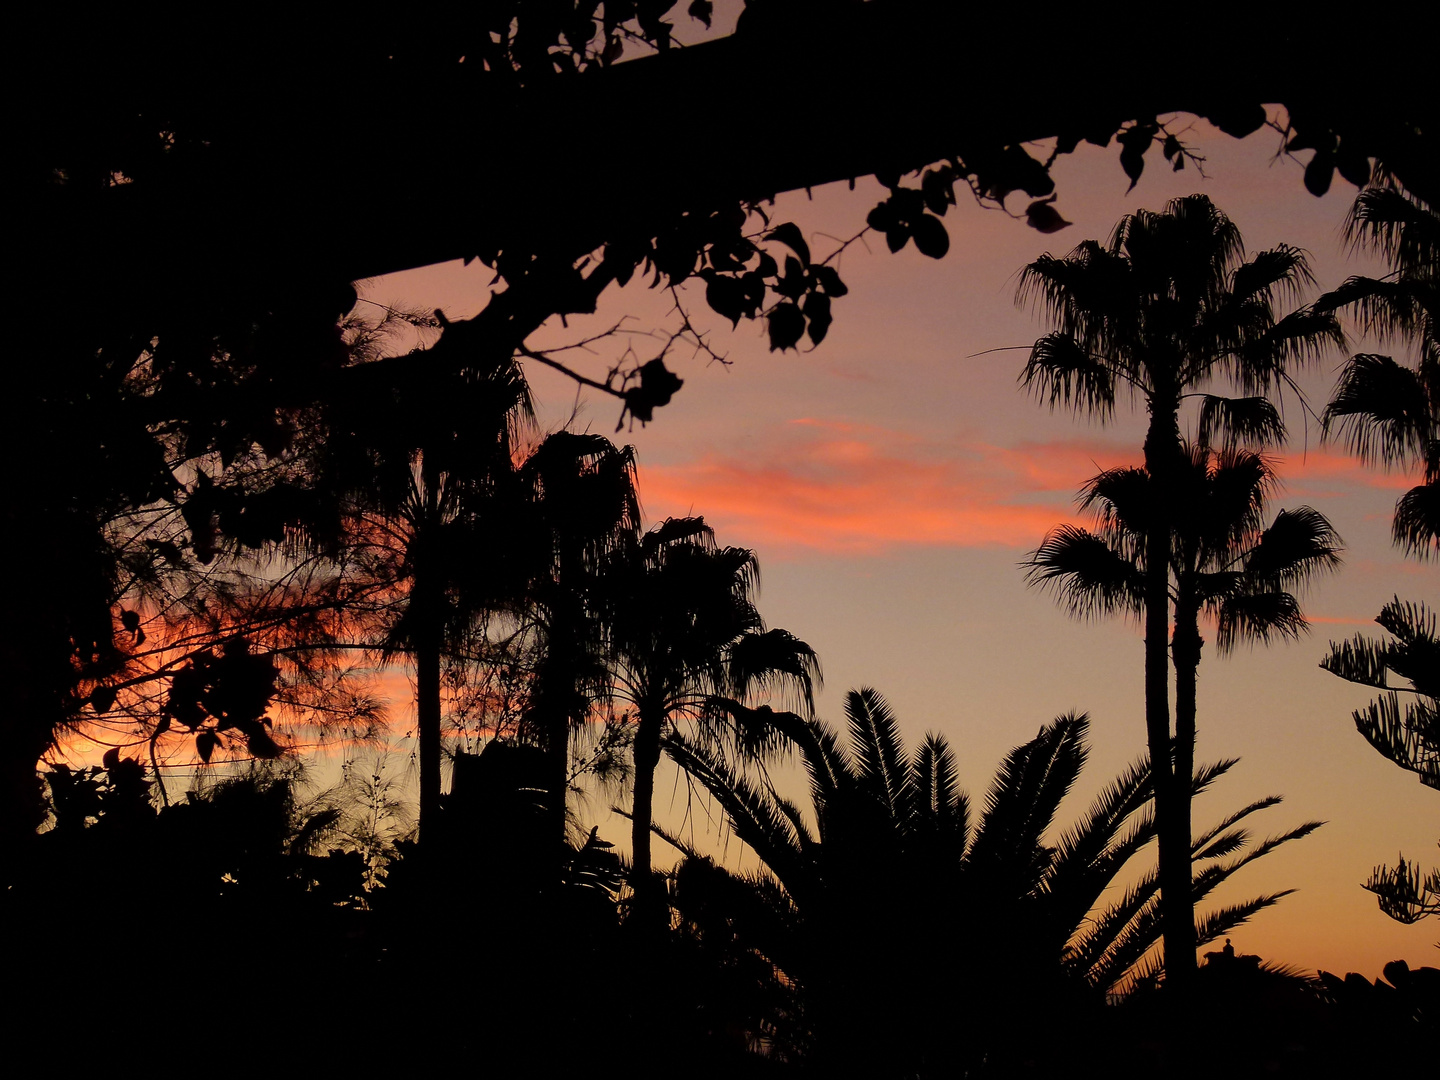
(891, 480)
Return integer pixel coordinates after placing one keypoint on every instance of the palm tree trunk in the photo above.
(1186, 650)
(647, 758)
(427, 707)
(557, 704)
(425, 603)
(1162, 449)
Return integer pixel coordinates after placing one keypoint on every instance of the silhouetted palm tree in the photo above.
(577, 507)
(1162, 309)
(1222, 563)
(900, 919)
(689, 644)
(1387, 412)
(415, 466)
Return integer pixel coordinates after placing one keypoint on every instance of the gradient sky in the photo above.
(891, 480)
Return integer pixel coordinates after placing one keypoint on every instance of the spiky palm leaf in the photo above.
(880, 759)
(870, 852)
(754, 814)
(1021, 805)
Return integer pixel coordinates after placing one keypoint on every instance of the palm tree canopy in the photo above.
(1239, 571)
(1169, 302)
(685, 628)
(1386, 412)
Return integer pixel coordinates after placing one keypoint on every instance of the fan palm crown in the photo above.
(689, 644)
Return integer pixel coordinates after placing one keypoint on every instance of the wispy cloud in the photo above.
(836, 487)
(844, 488)
(1317, 473)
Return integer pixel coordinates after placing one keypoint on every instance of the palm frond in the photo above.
(1088, 575)
(1124, 934)
(1246, 421)
(1021, 805)
(1416, 528)
(1123, 797)
(1305, 336)
(1218, 923)
(690, 530)
(879, 753)
(776, 660)
(753, 813)
(1299, 544)
(1061, 372)
(1229, 820)
(1088, 855)
(1222, 845)
(1207, 774)
(1259, 617)
(1390, 222)
(1089, 947)
(1211, 877)
(1123, 502)
(1382, 410)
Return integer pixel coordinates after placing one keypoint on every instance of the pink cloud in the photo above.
(840, 487)
(1321, 472)
(845, 488)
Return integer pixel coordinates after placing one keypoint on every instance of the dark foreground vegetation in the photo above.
(898, 937)
(243, 495)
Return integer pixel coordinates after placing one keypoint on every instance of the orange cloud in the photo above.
(1321, 472)
(859, 489)
(855, 489)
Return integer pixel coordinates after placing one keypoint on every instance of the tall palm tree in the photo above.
(413, 469)
(1158, 312)
(900, 918)
(576, 507)
(690, 645)
(1222, 563)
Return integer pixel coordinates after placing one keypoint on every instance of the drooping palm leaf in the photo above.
(1416, 527)
(1061, 371)
(1088, 575)
(752, 811)
(1382, 410)
(1246, 421)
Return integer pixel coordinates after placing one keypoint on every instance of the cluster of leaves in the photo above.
(222, 692)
